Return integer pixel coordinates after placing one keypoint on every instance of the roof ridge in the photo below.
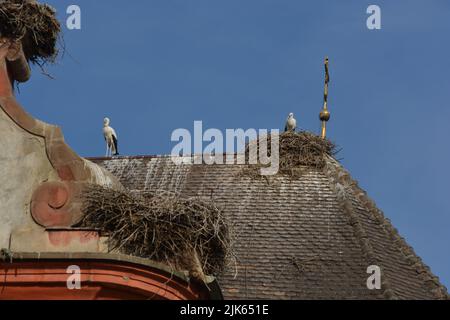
(343, 177)
(339, 178)
(436, 287)
(119, 157)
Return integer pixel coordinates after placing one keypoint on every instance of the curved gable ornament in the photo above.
(40, 173)
(41, 180)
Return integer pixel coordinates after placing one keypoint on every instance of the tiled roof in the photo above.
(311, 237)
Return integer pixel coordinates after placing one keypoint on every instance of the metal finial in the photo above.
(325, 114)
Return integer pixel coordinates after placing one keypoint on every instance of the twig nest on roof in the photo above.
(186, 234)
(297, 152)
(34, 24)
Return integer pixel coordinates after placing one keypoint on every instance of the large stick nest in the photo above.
(186, 234)
(34, 24)
(297, 150)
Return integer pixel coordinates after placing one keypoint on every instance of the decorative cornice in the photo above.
(131, 274)
(73, 171)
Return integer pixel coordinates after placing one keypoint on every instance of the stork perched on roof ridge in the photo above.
(291, 123)
(110, 138)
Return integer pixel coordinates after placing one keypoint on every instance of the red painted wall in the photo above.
(100, 280)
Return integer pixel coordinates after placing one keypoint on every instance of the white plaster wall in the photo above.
(23, 166)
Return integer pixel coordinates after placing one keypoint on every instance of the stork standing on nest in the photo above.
(291, 123)
(110, 138)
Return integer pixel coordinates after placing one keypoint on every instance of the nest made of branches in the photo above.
(186, 234)
(297, 151)
(34, 24)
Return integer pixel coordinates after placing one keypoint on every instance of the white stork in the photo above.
(291, 123)
(110, 138)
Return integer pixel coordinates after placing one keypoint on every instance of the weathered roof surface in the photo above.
(311, 237)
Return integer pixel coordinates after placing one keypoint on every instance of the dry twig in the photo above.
(297, 151)
(186, 234)
(34, 24)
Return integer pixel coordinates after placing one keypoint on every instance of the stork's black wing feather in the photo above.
(115, 145)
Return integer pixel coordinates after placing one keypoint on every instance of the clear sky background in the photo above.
(153, 66)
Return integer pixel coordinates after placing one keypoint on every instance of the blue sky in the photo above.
(156, 65)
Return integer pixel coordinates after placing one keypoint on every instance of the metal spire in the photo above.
(325, 114)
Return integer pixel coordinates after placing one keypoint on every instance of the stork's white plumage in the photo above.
(291, 123)
(110, 138)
